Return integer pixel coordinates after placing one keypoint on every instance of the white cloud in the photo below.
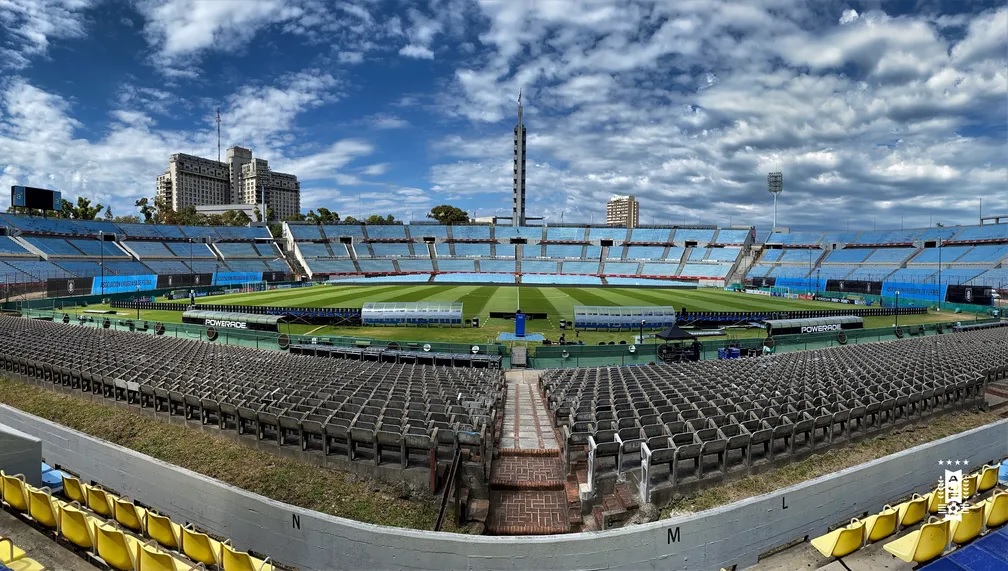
(849, 16)
(417, 52)
(29, 26)
(387, 121)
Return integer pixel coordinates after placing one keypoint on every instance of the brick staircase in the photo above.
(527, 485)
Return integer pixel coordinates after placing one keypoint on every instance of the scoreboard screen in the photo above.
(41, 198)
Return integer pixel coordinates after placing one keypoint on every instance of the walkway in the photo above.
(527, 494)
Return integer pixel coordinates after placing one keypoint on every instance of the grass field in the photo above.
(479, 301)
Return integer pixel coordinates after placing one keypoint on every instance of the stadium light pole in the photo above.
(897, 310)
(192, 271)
(939, 273)
(101, 242)
(642, 331)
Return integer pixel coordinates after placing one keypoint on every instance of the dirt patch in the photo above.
(830, 462)
(282, 479)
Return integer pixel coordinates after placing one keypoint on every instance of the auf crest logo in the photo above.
(953, 490)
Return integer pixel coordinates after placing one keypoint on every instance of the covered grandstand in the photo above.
(566, 254)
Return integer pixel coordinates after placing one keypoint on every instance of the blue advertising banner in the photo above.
(231, 278)
(926, 292)
(805, 284)
(122, 284)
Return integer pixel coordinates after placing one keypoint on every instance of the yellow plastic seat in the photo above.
(41, 508)
(996, 509)
(921, 545)
(9, 552)
(26, 564)
(842, 541)
(936, 498)
(968, 525)
(988, 478)
(128, 514)
(912, 511)
(199, 547)
(14, 492)
(162, 530)
(114, 548)
(76, 527)
(73, 489)
(233, 560)
(969, 486)
(98, 501)
(881, 525)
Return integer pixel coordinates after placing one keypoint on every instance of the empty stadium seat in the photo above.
(842, 541)
(76, 527)
(199, 547)
(114, 547)
(15, 494)
(42, 509)
(921, 545)
(881, 525)
(996, 509)
(15, 559)
(967, 525)
(234, 560)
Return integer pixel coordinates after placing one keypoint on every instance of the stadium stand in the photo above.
(555, 250)
(371, 412)
(35, 249)
(968, 255)
(672, 427)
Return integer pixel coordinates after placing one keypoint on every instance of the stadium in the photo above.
(576, 383)
(232, 384)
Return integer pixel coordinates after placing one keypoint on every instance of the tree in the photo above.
(275, 228)
(377, 219)
(66, 209)
(326, 216)
(189, 217)
(350, 220)
(128, 219)
(84, 210)
(448, 214)
(258, 214)
(148, 211)
(108, 214)
(236, 218)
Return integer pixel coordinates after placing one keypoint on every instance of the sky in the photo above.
(879, 114)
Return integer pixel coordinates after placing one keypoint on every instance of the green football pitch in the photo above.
(480, 300)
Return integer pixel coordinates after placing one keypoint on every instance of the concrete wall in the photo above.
(21, 453)
(734, 534)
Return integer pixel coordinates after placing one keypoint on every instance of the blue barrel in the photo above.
(519, 325)
(735, 352)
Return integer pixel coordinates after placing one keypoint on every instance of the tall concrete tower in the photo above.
(518, 208)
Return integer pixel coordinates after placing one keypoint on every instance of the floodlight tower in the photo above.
(775, 185)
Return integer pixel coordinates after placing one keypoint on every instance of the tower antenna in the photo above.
(218, 135)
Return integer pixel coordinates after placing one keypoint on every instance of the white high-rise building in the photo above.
(622, 211)
(241, 180)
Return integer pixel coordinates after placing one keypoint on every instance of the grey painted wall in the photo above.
(734, 534)
(21, 453)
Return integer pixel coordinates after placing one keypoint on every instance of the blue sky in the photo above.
(878, 113)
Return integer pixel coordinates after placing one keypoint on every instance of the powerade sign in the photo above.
(122, 284)
(231, 278)
(225, 323)
(821, 328)
(925, 292)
